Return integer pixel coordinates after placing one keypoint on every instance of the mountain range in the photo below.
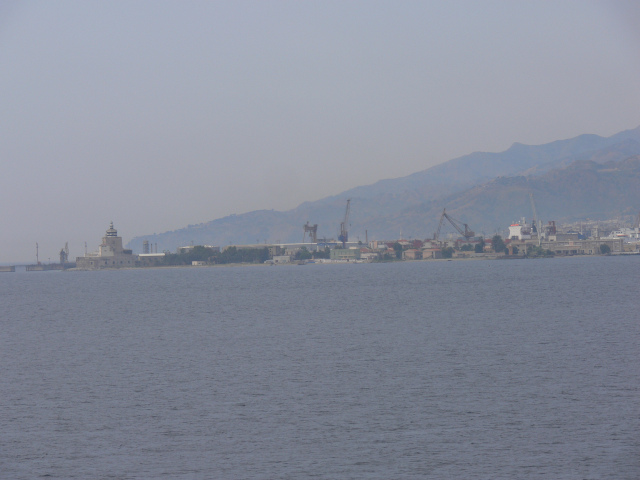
(588, 176)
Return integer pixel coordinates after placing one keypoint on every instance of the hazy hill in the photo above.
(583, 190)
(486, 190)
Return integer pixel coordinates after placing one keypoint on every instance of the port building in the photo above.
(110, 254)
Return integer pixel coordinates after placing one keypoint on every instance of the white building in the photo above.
(520, 231)
(626, 234)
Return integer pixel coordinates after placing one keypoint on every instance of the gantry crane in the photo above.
(466, 232)
(312, 230)
(344, 232)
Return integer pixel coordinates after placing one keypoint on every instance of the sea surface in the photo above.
(517, 369)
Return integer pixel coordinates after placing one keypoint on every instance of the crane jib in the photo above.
(462, 228)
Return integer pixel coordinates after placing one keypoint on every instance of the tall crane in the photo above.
(312, 230)
(536, 225)
(466, 232)
(64, 254)
(344, 232)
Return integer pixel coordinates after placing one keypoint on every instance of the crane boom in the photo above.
(466, 232)
(535, 213)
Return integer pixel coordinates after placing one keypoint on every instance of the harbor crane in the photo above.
(312, 230)
(344, 232)
(536, 225)
(462, 228)
(64, 254)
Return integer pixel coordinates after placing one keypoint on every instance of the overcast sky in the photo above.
(157, 114)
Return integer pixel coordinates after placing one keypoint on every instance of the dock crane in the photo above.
(466, 232)
(64, 254)
(344, 232)
(312, 230)
(536, 225)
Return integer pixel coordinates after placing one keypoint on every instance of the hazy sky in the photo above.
(157, 114)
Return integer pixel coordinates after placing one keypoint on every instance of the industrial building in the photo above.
(345, 254)
(582, 247)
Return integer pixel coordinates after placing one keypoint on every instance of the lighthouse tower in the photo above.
(111, 243)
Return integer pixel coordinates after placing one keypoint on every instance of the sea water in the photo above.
(432, 369)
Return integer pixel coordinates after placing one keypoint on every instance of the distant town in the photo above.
(523, 239)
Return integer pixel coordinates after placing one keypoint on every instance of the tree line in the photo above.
(212, 256)
(209, 255)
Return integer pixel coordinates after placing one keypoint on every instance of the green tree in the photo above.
(303, 254)
(398, 249)
(326, 253)
(605, 249)
(536, 251)
(447, 252)
(498, 244)
(479, 247)
(243, 255)
(200, 253)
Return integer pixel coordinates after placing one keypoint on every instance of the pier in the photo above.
(48, 267)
